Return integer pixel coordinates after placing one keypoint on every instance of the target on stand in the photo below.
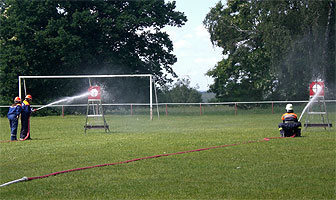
(94, 92)
(316, 86)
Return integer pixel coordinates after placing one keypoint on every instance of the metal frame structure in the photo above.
(94, 76)
(316, 93)
(321, 105)
(97, 111)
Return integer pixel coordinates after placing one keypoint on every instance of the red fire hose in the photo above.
(133, 160)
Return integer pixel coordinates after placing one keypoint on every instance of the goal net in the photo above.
(118, 91)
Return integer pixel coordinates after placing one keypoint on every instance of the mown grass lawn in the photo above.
(291, 168)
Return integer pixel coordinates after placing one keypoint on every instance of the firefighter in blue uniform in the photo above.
(25, 118)
(13, 117)
(290, 126)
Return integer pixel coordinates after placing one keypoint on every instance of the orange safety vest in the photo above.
(26, 103)
(289, 117)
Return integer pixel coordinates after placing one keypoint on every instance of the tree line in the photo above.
(273, 49)
(84, 37)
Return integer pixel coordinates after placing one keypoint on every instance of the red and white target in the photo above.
(316, 87)
(94, 92)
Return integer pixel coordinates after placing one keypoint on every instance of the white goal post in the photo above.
(93, 76)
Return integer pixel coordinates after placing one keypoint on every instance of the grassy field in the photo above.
(291, 168)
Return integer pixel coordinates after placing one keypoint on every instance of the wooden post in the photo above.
(62, 111)
(166, 110)
(131, 109)
(235, 108)
(272, 107)
(200, 109)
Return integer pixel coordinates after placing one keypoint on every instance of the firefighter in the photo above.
(290, 126)
(25, 118)
(13, 117)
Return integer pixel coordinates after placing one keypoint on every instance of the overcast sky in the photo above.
(192, 46)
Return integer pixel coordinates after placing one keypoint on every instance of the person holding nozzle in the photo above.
(25, 118)
(13, 117)
(290, 126)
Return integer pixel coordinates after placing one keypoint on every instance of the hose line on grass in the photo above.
(133, 160)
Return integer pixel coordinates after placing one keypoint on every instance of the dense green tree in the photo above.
(273, 48)
(244, 74)
(84, 37)
(180, 92)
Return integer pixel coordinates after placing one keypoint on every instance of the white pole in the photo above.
(89, 76)
(20, 87)
(150, 97)
(156, 101)
(24, 86)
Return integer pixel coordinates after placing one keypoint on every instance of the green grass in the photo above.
(299, 168)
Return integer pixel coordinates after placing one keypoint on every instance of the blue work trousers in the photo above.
(13, 124)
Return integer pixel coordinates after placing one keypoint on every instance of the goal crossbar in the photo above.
(98, 76)
(88, 76)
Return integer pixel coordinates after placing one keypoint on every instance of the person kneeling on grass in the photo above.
(13, 117)
(290, 126)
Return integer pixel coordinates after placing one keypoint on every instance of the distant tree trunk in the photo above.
(326, 40)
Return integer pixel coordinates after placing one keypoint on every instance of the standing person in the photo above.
(25, 118)
(290, 126)
(13, 117)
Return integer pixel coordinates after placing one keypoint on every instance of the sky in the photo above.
(192, 46)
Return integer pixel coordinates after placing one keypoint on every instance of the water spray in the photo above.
(66, 99)
(317, 93)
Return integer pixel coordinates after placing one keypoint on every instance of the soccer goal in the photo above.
(90, 80)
